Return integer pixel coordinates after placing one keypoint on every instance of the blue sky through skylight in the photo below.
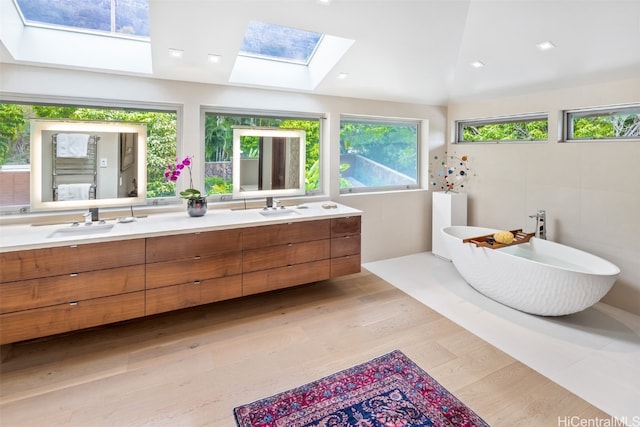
(279, 43)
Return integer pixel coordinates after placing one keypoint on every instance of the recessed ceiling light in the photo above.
(214, 59)
(545, 45)
(176, 53)
(343, 76)
(477, 64)
(325, 2)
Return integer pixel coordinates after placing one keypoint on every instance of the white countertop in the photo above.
(20, 237)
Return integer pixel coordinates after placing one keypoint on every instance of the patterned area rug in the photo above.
(389, 391)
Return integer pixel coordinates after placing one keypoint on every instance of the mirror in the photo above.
(80, 165)
(268, 162)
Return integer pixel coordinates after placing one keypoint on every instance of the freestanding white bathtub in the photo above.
(539, 277)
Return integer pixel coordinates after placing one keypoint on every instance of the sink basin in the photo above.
(278, 212)
(82, 229)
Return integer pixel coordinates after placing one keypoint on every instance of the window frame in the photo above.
(96, 103)
(382, 120)
(497, 120)
(272, 114)
(568, 122)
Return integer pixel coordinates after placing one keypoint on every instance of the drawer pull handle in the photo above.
(196, 257)
(196, 282)
(73, 303)
(73, 275)
(73, 246)
(289, 244)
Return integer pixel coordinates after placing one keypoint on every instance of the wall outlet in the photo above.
(103, 162)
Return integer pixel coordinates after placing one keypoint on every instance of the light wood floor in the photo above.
(192, 367)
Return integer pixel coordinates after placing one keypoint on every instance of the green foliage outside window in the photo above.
(606, 123)
(161, 136)
(391, 145)
(217, 185)
(13, 143)
(526, 130)
(606, 126)
(390, 150)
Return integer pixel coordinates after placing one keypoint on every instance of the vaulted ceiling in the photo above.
(416, 51)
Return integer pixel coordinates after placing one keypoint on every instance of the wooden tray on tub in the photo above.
(481, 241)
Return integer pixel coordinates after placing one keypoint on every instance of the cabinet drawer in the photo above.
(284, 255)
(34, 293)
(166, 248)
(60, 318)
(282, 234)
(347, 245)
(283, 277)
(31, 264)
(345, 265)
(191, 294)
(346, 226)
(167, 273)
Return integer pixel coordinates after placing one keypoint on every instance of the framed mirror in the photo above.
(268, 162)
(80, 165)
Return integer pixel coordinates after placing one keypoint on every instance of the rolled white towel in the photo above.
(72, 144)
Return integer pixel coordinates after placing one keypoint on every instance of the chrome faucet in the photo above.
(272, 204)
(87, 218)
(91, 216)
(269, 203)
(541, 231)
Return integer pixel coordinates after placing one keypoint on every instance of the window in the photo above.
(603, 123)
(122, 17)
(279, 43)
(218, 146)
(378, 154)
(520, 128)
(15, 139)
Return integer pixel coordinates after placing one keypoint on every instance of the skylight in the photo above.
(275, 42)
(121, 17)
(124, 51)
(277, 56)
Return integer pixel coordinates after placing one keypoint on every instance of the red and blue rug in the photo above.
(389, 391)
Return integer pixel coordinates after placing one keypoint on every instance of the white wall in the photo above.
(591, 191)
(394, 224)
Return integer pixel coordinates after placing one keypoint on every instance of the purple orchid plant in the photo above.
(173, 172)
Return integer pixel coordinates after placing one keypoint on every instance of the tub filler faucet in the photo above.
(541, 231)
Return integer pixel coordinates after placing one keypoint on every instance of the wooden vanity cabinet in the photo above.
(73, 258)
(60, 289)
(55, 290)
(191, 269)
(345, 246)
(284, 255)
